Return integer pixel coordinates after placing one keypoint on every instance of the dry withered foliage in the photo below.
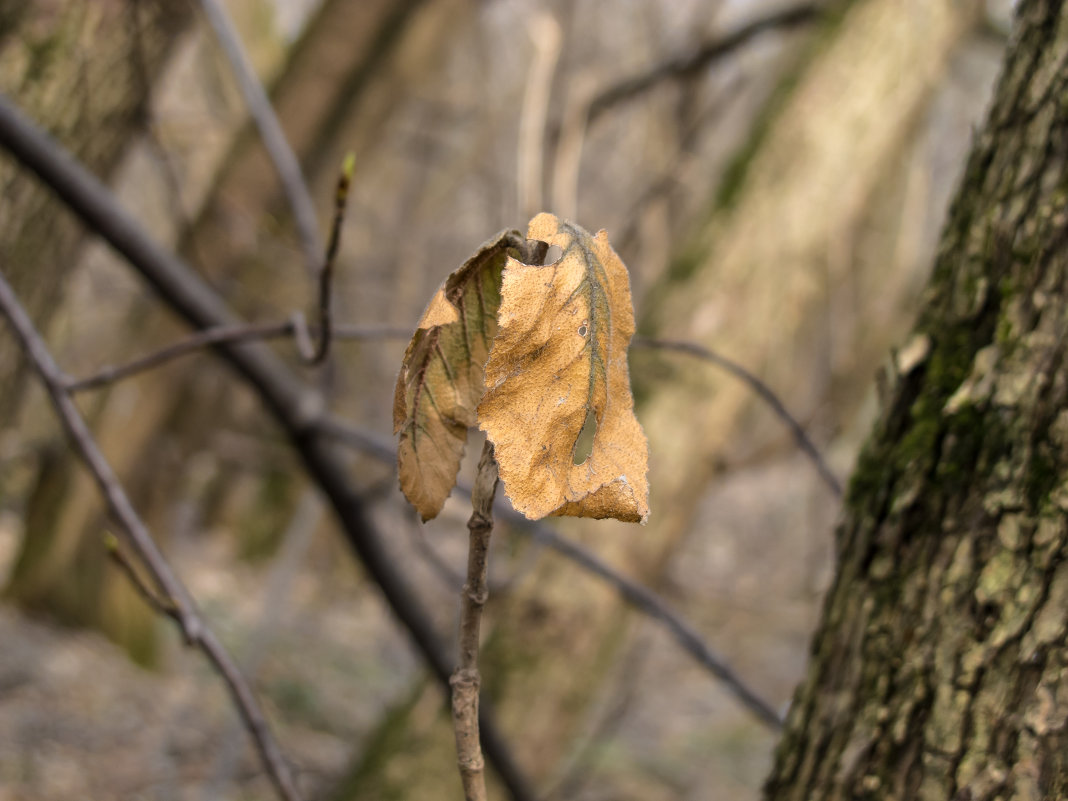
(558, 369)
(440, 381)
(557, 404)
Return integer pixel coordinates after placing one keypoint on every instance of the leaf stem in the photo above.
(465, 679)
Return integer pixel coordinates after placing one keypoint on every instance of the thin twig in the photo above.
(294, 405)
(161, 605)
(465, 679)
(706, 54)
(230, 334)
(763, 391)
(193, 628)
(327, 272)
(274, 139)
(194, 342)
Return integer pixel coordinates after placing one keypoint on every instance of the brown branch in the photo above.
(690, 64)
(227, 334)
(201, 339)
(465, 679)
(327, 273)
(160, 604)
(763, 391)
(176, 597)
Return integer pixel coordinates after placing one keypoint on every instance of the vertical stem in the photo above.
(465, 679)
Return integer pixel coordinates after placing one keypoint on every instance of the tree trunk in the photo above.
(769, 263)
(939, 670)
(85, 71)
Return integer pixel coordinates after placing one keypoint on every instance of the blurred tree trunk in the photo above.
(85, 71)
(940, 669)
(759, 279)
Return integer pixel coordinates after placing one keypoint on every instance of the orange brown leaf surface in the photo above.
(558, 370)
(440, 381)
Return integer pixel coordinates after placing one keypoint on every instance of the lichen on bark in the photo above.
(938, 669)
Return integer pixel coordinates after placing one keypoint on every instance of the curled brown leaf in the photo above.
(558, 406)
(440, 381)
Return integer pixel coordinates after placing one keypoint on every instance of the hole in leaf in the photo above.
(584, 443)
(554, 254)
(583, 329)
(535, 251)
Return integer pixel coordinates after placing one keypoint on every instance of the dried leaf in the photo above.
(558, 406)
(440, 381)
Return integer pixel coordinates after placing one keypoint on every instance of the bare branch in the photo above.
(763, 391)
(199, 340)
(274, 139)
(230, 334)
(294, 405)
(327, 272)
(161, 605)
(465, 679)
(178, 603)
(706, 54)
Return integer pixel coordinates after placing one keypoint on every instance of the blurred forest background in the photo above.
(777, 196)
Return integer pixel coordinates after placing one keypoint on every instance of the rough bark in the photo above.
(939, 670)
